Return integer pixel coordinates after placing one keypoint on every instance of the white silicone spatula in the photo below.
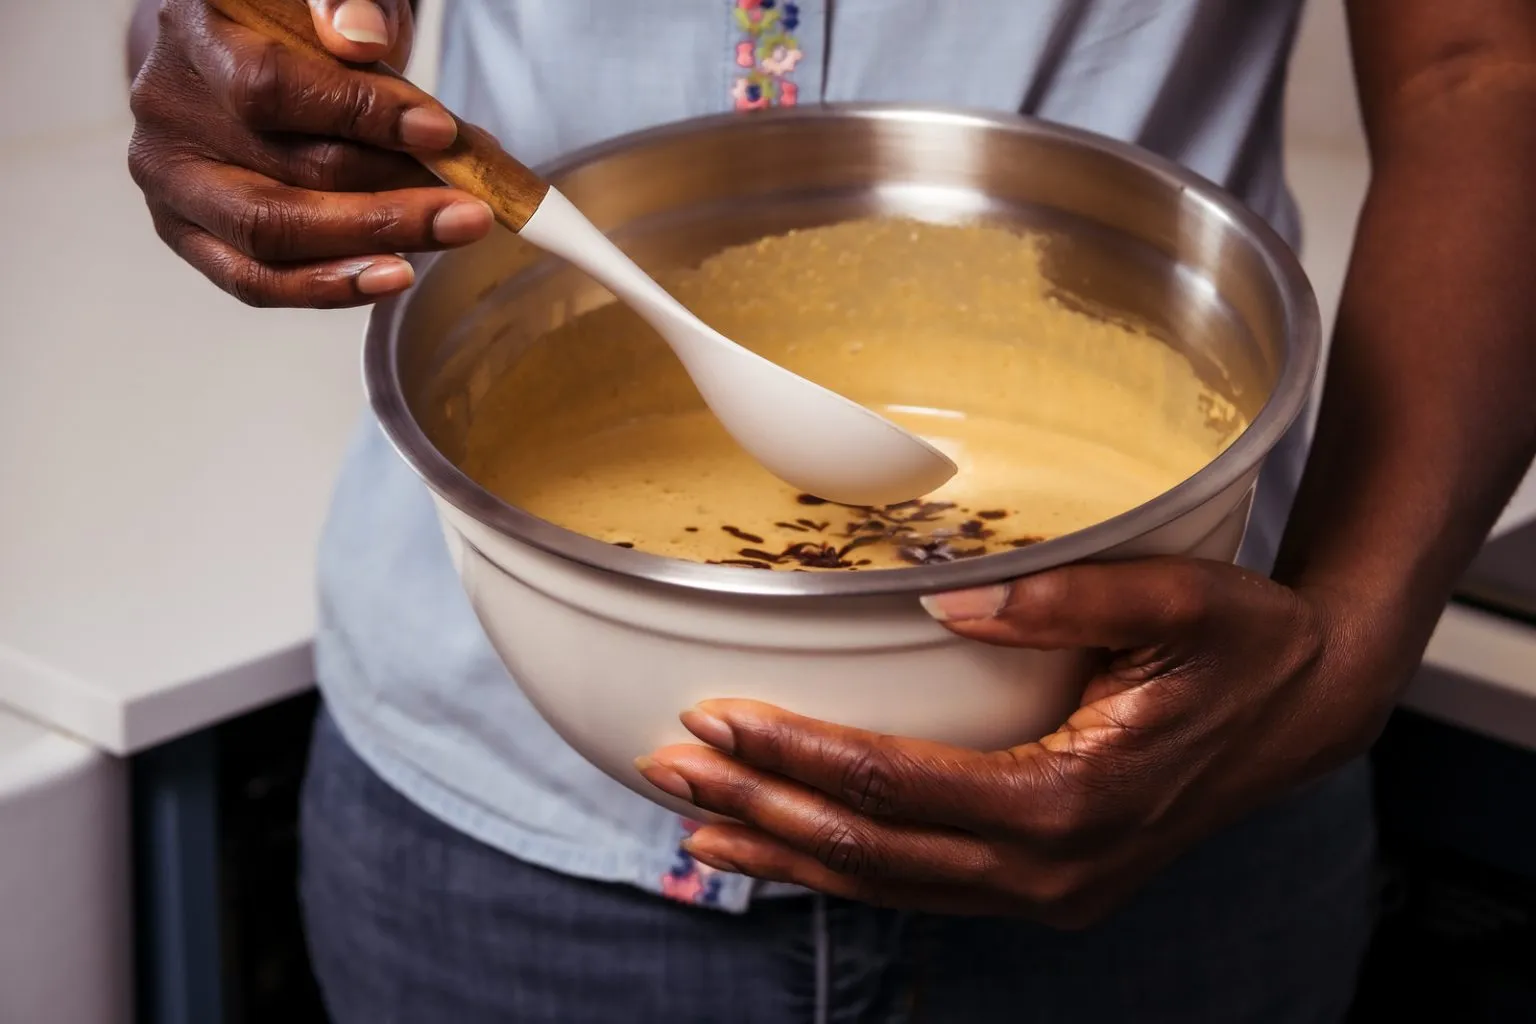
(812, 438)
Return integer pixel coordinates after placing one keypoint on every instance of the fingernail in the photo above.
(714, 860)
(386, 277)
(966, 605)
(427, 128)
(462, 222)
(710, 729)
(361, 21)
(664, 778)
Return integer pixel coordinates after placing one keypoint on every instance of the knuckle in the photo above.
(259, 86)
(1051, 590)
(1044, 600)
(843, 848)
(157, 166)
(168, 228)
(389, 226)
(155, 92)
(265, 226)
(143, 165)
(734, 794)
(769, 748)
(253, 285)
(317, 291)
(141, 99)
(326, 165)
(868, 783)
(357, 106)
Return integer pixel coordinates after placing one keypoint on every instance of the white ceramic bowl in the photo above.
(611, 644)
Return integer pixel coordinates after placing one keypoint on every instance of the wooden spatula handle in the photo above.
(475, 162)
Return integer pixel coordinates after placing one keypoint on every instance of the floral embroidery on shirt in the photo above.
(767, 55)
(688, 881)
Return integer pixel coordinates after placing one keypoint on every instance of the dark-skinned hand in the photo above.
(284, 178)
(1219, 691)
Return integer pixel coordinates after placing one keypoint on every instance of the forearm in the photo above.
(1429, 416)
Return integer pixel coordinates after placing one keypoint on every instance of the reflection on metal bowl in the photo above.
(610, 644)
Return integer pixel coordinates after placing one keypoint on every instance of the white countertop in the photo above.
(166, 457)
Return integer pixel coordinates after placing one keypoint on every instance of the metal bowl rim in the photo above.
(1279, 412)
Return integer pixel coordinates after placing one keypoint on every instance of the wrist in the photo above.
(1382, 575)
(1375, 627)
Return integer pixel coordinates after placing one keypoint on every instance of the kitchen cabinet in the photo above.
(64, 879)
(215, 836)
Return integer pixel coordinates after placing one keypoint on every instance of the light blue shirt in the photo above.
(402, 662)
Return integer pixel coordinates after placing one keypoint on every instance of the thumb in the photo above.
(1118, 606)
(365, 30)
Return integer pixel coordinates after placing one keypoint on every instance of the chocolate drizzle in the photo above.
(975, 529)
(900, 525)
(805, 554)
(803, 525)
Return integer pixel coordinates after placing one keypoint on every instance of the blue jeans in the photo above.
(409, 921)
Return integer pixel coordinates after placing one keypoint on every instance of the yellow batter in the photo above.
(1058, 420)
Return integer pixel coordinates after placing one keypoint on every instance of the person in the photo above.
(1194, 843)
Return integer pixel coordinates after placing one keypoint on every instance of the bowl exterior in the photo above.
(610, 643)
(610, 661)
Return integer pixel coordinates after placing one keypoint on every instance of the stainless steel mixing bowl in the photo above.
(578, 620)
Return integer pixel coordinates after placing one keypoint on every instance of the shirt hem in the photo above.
(628, 864)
